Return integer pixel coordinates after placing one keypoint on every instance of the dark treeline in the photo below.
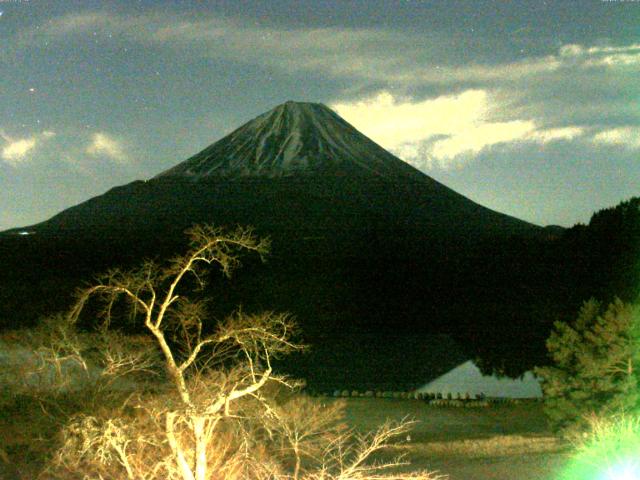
(373, 304)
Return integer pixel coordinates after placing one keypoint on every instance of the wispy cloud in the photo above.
(628, 137)
(447, 152)
(68, 149)
(338, 51)
(556, 134)
(366, 53)
(363, 53)
(17, 150)
(78, 23)
(103, 145)
(445, 131)
(437, 131)
(602, 56)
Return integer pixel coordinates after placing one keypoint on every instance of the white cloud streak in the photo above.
(103, 145)
(556, 134)
(608, 56)
(468, 143)
(17, 151)
(628, 137)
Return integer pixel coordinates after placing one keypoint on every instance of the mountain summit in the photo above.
(293, 139)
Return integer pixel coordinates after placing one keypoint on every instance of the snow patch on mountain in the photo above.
(294, 138)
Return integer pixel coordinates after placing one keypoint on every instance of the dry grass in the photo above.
(449, 423)
(497, 446)
(497, 443)
(446, 440)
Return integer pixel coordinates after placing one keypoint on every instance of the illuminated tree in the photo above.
(213, 416)
(596, 364)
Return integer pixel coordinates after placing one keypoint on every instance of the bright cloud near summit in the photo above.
(445, 131)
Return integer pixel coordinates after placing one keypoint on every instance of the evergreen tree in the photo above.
(596, 365)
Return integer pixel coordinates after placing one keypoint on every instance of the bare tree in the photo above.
(214, 418)
(303, 428)
(154, 293)
(349, 457)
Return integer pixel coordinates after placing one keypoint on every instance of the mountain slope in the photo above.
(293, 139)
(298, 166)
(364, 246)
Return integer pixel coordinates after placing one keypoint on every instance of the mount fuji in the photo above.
(299, 166)
(368, 252)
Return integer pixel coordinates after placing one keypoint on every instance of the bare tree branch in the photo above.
(214, 420)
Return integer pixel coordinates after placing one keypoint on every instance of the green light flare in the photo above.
(600, 469)
(624, 471)
(612, 453)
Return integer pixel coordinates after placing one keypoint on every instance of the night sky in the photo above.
(529, 108)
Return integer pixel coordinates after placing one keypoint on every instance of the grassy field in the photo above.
(504, 441)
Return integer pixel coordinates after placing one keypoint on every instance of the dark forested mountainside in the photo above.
(375, 260)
